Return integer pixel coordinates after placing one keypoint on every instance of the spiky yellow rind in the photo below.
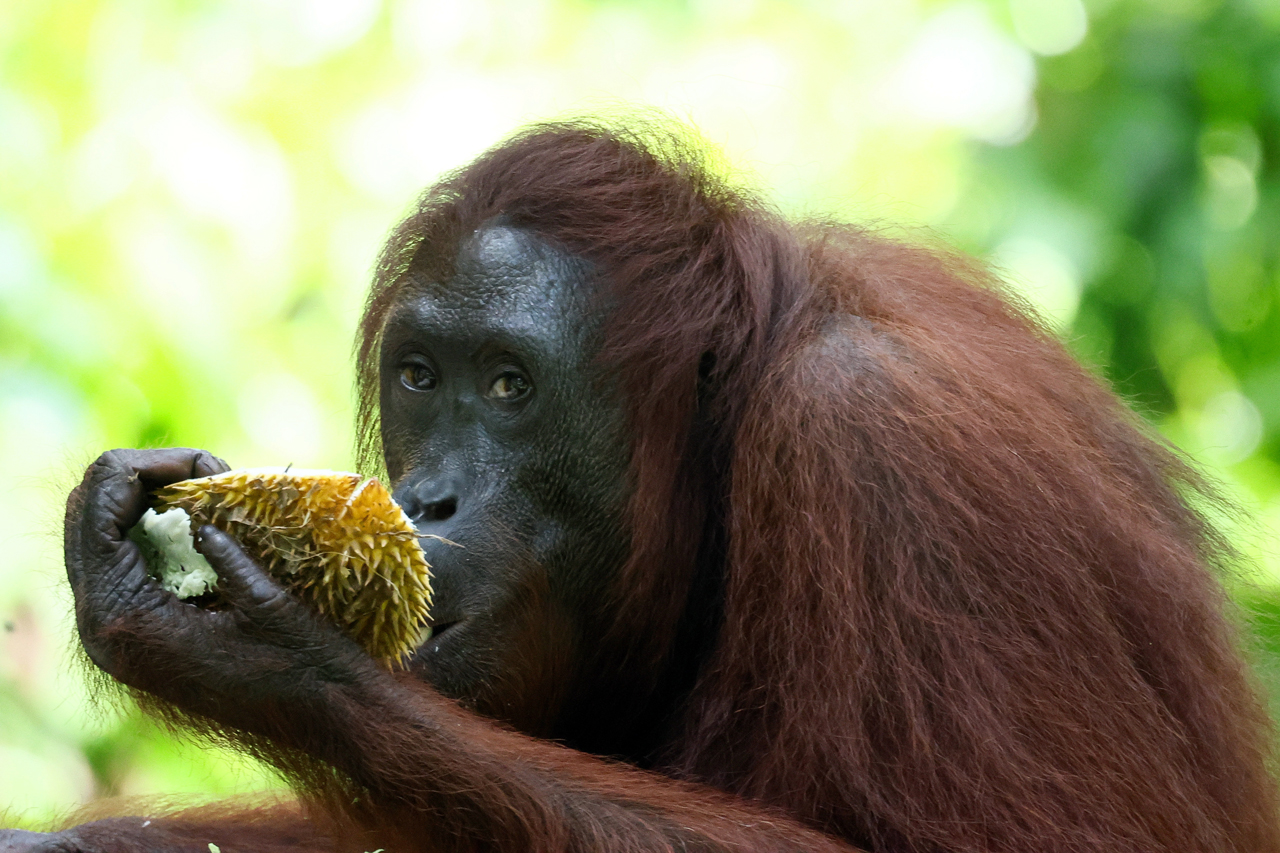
(336, 540)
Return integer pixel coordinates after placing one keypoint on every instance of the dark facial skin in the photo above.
(505, 444)
(503, 439)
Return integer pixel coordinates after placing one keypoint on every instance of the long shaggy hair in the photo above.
(965, 602)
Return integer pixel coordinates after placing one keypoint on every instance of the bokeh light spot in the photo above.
(1049, 27)
(1044, 275)
(961, 71)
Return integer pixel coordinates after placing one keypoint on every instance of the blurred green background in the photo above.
(192, 193)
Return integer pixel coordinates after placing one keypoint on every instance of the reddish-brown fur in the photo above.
(967, 606)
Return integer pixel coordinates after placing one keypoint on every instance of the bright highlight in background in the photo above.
(961, 71)
(1049, 27)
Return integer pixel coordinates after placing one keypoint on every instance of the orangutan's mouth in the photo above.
(434, 631)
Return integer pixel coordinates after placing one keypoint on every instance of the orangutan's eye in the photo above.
(509, 386)
(417, 377)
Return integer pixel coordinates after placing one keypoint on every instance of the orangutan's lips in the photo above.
(431, 631)
(437, 630)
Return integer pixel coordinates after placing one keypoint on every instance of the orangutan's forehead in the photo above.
(502, 270)
(507, 284)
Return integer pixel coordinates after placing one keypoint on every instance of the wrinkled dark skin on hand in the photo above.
(230, 665)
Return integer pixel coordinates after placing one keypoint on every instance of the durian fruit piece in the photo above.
(171, 555)
(336, 540)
